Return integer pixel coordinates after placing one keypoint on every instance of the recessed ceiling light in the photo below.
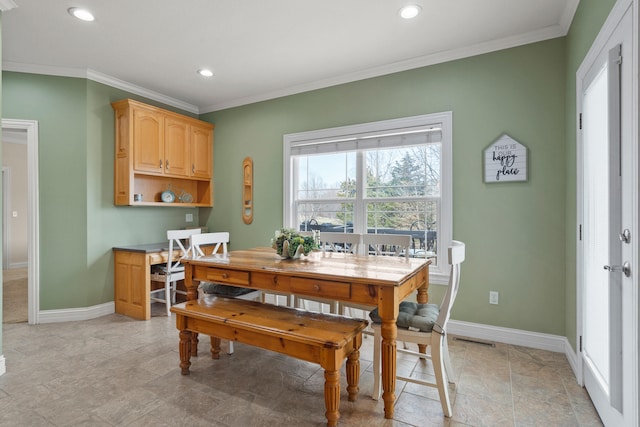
(82, 14)
(205, 72)
(410, 11)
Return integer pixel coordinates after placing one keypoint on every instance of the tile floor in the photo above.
(115, 371)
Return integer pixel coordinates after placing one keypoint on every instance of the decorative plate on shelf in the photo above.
(168, 196)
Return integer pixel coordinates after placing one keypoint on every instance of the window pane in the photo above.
(326, 176)
(386, 176)
(418, 218)
(404, 172)
(334, 217)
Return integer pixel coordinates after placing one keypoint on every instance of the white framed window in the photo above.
(387, 177)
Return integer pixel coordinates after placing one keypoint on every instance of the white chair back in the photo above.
(220, 239)
(340, 242)
(456, 257)
(387, 244)
(174, 270)
(436, 338)
(177, 240)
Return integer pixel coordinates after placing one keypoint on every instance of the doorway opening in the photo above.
(29, 130)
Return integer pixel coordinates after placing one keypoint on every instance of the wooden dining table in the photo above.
(371, 280)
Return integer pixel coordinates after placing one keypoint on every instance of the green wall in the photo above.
(78, 222)
(520, 236)
(587, 22)
(514, 231)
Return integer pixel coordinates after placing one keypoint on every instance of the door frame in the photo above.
(6, 197)
(33, 214)
(607, 30)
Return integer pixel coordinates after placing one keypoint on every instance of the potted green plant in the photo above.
(288, 243)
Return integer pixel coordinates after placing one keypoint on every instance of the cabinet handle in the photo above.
(167, 164)
(193, 169)
(160, 163)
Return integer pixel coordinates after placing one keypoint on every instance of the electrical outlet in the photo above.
(189, 217)
(493, 297)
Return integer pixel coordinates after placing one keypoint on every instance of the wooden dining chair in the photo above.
(338, 243)
(219, 241)
(425, 324)
(179, 248)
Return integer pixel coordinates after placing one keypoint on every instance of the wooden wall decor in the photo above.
(247, 190)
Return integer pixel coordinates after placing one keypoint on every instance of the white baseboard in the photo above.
(75, 314)
(18, 265)
(555, 343)
(572, 358)
(538, 340)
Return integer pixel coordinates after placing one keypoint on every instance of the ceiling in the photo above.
(260, 49)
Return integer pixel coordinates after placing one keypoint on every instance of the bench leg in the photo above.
(353, 370)
(185, 351)
(194, 344)
(332, 396)
(215, 348)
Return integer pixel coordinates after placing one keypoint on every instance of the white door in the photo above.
(608, 199)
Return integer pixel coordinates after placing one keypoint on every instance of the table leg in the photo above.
(389, 334)
(332, 396)
(192, 294)
(194, 344)
(185, 351)
(423, 298)
(215, 348)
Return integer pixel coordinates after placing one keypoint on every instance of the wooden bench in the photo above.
(320, 338)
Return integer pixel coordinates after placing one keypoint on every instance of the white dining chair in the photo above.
(179, 248)
(219, 241)
(387, 244)
(425, 324)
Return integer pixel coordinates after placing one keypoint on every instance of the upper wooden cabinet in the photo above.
(201, 151)
(157, 150)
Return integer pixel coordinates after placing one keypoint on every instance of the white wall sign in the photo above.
(505, 160)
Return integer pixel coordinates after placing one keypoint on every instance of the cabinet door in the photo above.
(176, 147)
(201, 152)
(132, 284)
(149, 143)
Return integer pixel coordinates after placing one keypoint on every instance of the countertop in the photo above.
(146, 248)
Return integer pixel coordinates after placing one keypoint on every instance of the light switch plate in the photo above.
(189, 217)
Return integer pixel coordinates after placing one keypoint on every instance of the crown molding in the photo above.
(99, 78)
(546, 33)
(7, 5)
(567, 16)
(43, 69)
(138, 90)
